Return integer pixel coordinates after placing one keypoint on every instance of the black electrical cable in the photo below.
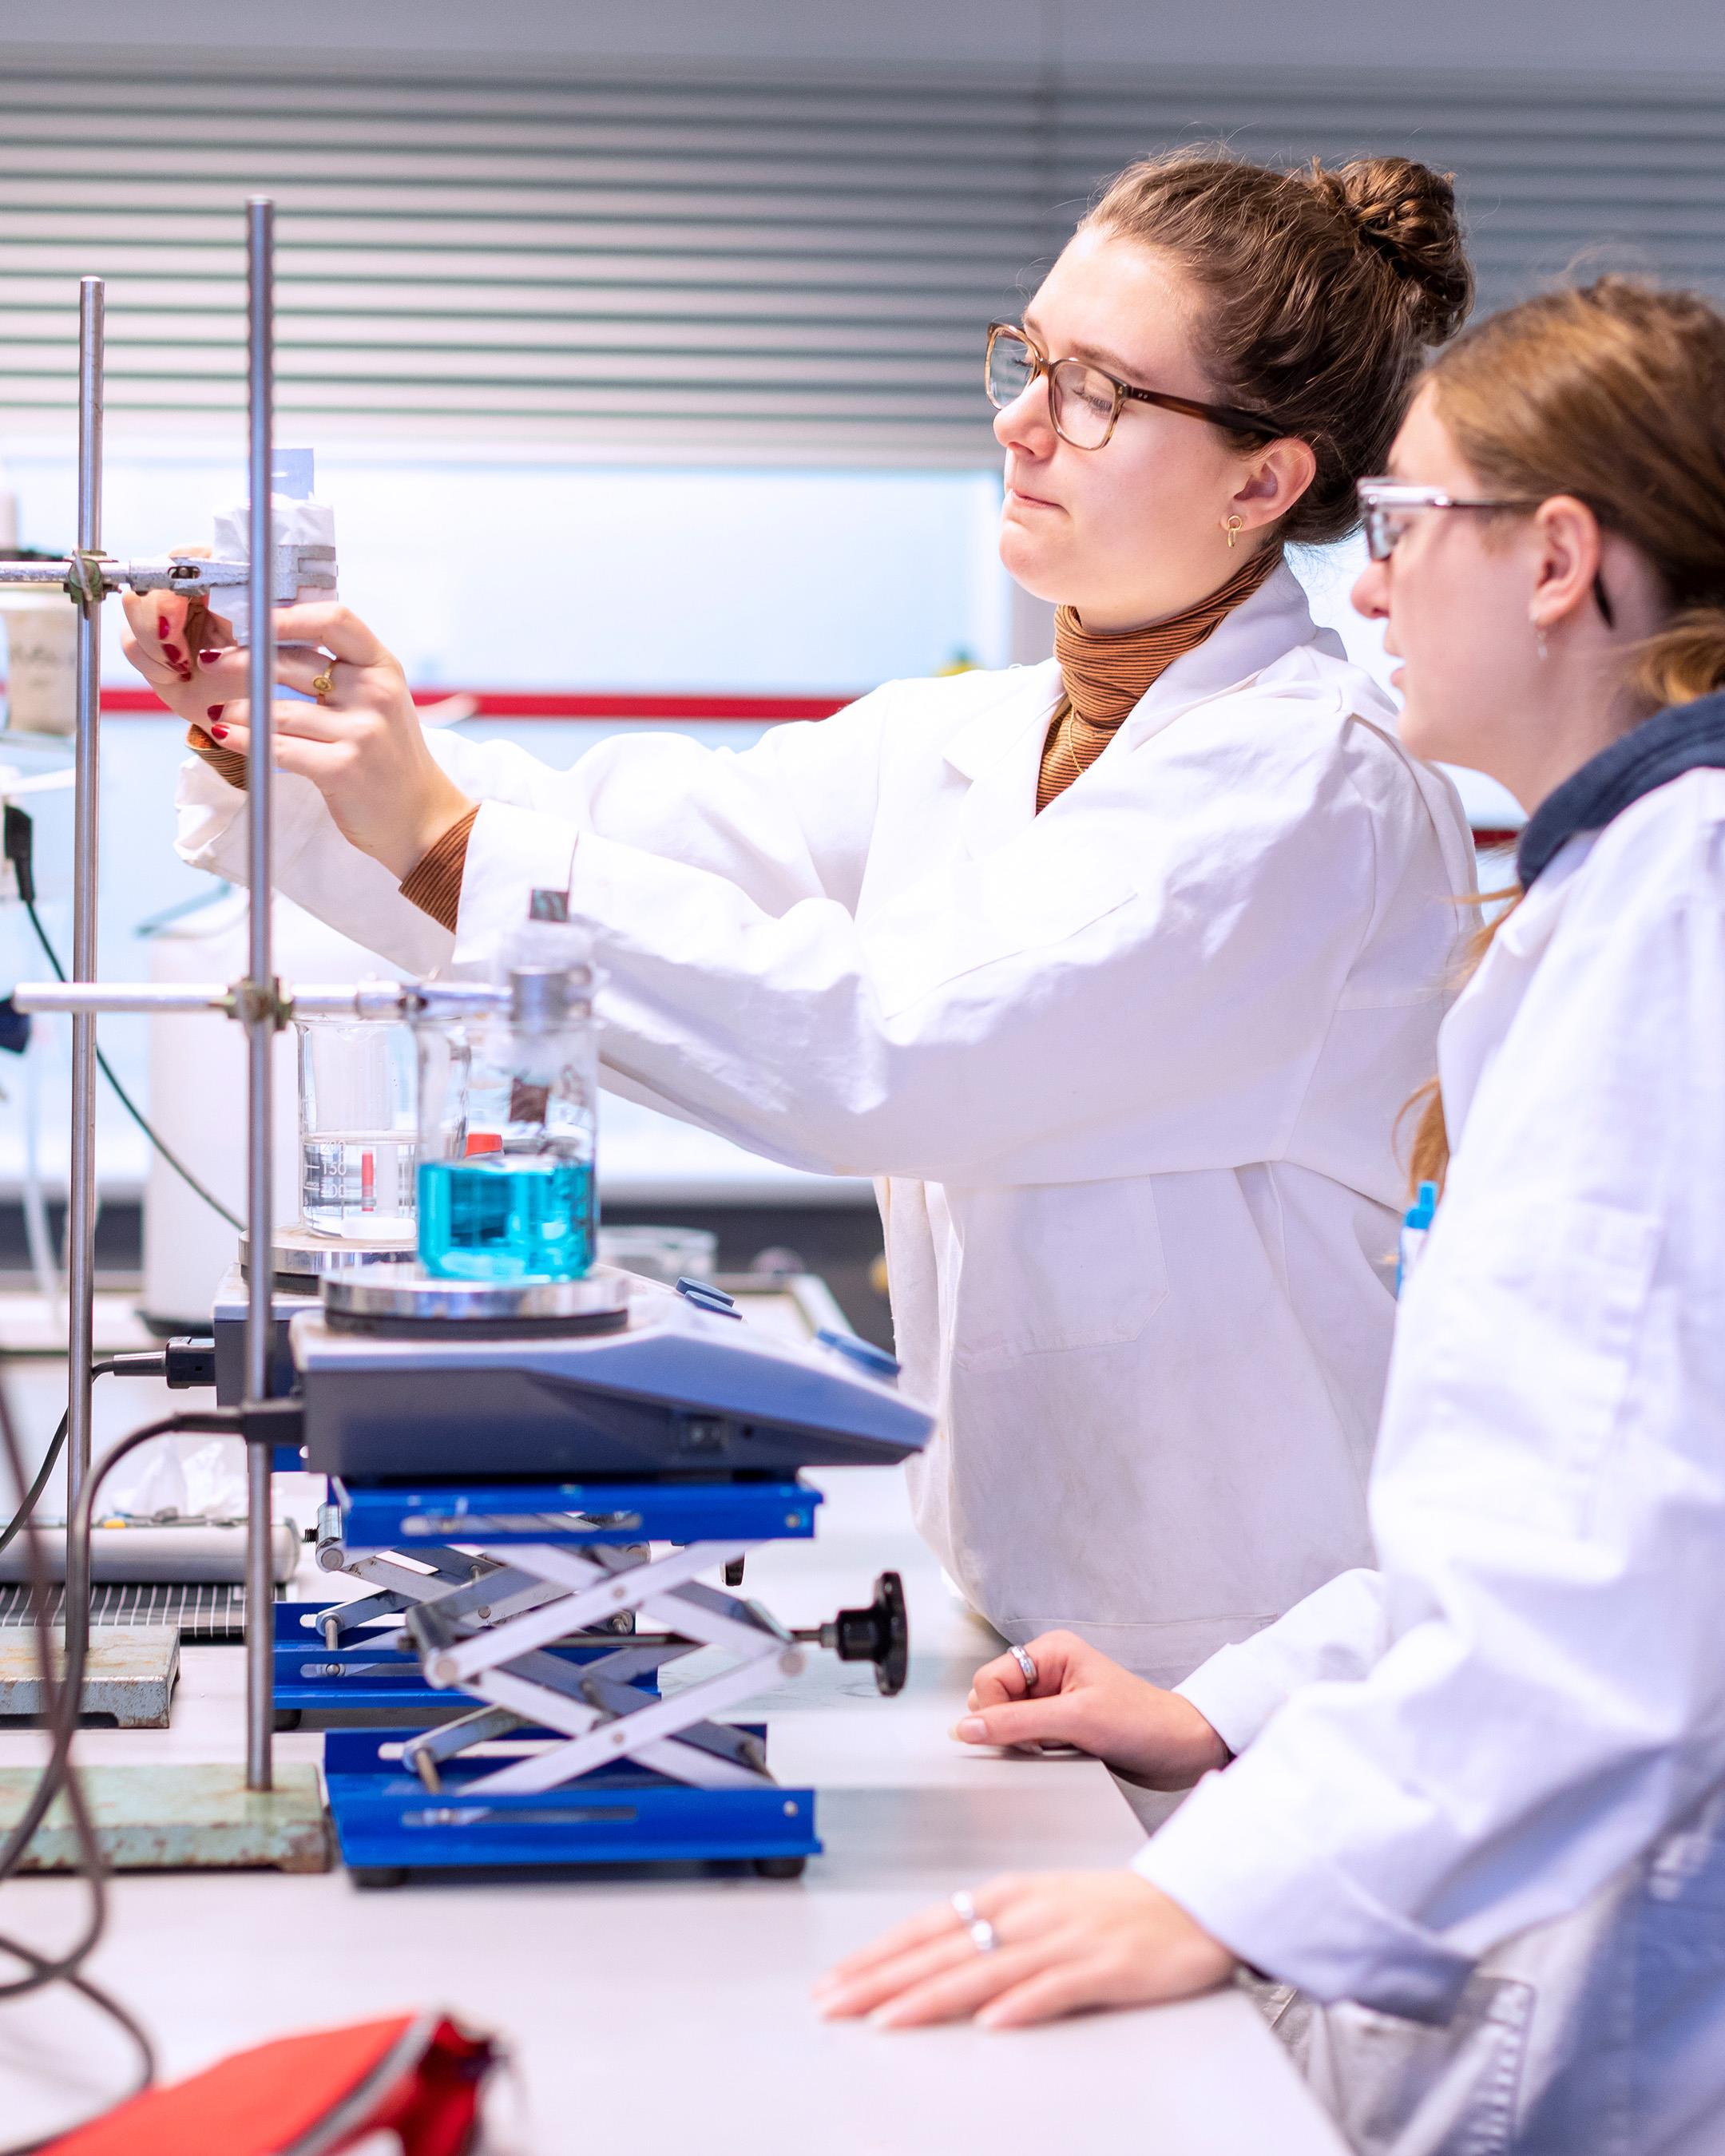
(31, 1497)
(78, 1527)
(62, 1698)
(125, 1099)
(136, 1365)
(26, 1509)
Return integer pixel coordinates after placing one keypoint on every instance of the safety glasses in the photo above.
(1084, 402)
(1388, 507)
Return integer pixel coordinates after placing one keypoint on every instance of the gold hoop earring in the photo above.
(1234, 527)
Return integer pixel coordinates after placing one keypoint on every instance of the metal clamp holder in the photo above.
(89, 576)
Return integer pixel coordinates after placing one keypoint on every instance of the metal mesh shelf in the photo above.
(207, 1613)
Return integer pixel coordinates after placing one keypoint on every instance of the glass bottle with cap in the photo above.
(508, 1097)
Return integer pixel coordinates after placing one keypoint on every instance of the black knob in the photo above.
(880, 1635)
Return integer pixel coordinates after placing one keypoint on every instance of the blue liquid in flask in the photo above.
(503, 1216)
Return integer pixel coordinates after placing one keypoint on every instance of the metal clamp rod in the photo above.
(376, 999)
(101, 997)
(297, 568)
(52, 574)
(383, 1000)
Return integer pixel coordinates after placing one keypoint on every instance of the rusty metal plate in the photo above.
(173, 1818)
(129, 1674)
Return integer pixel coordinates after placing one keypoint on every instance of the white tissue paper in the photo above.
(308, 523)
(194, 1479)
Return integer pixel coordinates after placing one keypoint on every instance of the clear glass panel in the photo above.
(1083, 404)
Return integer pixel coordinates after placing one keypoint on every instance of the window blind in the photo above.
(795, 269)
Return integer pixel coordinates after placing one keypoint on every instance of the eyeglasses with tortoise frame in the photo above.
(1084, 401)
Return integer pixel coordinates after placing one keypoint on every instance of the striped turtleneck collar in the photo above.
(1106, 677)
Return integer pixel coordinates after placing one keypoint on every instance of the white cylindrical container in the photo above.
(299, 520)
(41, 629)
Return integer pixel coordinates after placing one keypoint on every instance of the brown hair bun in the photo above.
(1407, 213)
(1320, 292)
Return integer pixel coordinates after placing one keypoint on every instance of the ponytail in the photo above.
(1613, 392)
(1684, 659)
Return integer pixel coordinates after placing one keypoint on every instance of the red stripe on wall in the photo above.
(536, 704)
(548, 704)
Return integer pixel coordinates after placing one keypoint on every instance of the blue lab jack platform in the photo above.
(390, 1826)
(515, 1496)
(569, 1752)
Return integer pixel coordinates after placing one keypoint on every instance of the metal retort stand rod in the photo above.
(81, 1194)
(256, 1002)
(260, 995)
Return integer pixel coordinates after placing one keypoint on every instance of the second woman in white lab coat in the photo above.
(1111, 971)
(1476, 1823)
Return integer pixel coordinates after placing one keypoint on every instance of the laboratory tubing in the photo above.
(358, 1129)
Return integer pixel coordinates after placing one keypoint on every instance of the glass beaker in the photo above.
(507, 1119)
(358, 1128)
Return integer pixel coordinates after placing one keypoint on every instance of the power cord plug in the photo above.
(151, 1364)
(190, 1363)
(187, 1364)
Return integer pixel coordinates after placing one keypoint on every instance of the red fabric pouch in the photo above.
(417, 2076)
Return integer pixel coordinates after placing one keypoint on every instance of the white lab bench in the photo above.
(660, 2012)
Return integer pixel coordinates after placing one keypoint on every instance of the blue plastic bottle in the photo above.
(1416, 1224)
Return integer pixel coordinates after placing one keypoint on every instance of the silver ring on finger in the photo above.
(982, 1935)
(1026, 1662)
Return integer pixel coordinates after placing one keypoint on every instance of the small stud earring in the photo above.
(1234, 527)
(1539, 640)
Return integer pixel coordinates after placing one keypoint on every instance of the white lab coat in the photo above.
(1126, 1073)
(1481, 1787)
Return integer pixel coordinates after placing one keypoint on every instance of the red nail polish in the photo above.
(171, 652)
(161, 627)
(208, 658)
(220, 732)
(215, 710)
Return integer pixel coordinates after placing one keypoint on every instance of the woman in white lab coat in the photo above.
(1476, 1815)
(1112, 970)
